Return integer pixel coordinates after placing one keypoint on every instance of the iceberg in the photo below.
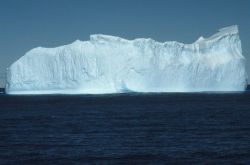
(109, 64)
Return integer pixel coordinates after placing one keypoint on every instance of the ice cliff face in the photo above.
(108, 64)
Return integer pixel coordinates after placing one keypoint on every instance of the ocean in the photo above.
(135, 128)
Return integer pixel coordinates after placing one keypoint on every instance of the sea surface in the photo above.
(166, 128)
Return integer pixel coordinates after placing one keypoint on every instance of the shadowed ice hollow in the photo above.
(108, 64)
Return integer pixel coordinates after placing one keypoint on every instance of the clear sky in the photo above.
(25, 24)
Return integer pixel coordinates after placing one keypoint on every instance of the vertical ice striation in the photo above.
(108, 64)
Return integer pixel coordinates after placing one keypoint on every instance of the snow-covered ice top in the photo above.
(108, 64)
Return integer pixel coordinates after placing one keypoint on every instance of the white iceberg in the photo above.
(108, 64)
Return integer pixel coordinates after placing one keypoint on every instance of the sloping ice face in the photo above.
(108, 64)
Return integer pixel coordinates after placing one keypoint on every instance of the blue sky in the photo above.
(49, 23)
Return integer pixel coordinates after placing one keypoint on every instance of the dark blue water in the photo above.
(177, 128)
